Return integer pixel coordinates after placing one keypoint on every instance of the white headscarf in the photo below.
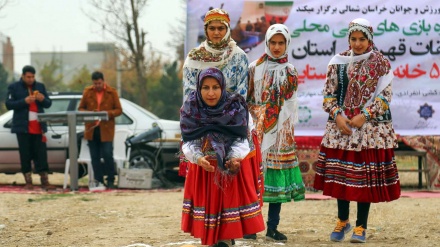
(270, 70)
(271, 31)
(364, 26)
(267, 65)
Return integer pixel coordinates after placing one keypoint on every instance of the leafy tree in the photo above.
(129, 83)
(109, 69)
(49, 75)
(3, 72)
(3, 87)
(167, 94)
(80, 80)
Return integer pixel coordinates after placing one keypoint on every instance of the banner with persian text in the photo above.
(407, 33)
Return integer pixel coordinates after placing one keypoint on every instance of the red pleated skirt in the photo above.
(366, 176)
(220, 207)
(255, 160)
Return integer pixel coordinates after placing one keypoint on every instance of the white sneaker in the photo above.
(96, 186)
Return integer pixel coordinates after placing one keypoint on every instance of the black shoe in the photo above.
(223, 244)
(250, 236)
(274, 235)
(110, 185)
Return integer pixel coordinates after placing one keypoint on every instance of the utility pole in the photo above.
(118, 76)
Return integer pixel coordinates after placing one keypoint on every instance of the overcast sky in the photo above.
(61, 25)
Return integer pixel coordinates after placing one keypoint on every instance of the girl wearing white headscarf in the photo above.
(272, 101)
(356, 160)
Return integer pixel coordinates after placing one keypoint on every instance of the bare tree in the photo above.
(178, 31)
(121, 19)
(3, 3)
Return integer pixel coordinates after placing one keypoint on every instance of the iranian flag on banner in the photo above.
(277, 11)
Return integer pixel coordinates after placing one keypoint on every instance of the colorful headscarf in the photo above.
(216, 54)
(223, 17)
(221, 125)
(217, 15)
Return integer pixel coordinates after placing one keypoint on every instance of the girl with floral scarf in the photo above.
(356, 160)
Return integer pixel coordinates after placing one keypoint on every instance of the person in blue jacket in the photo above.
(27, 98)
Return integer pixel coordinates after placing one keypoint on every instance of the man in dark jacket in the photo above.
(27, 98)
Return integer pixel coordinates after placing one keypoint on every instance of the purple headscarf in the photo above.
(222, 124)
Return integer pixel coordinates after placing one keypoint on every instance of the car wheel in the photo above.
(142, 159)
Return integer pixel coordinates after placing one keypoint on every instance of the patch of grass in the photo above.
(407, 162)
(85, 199)
(409, 180)
(56, 196)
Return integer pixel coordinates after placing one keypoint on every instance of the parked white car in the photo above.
(134, 118)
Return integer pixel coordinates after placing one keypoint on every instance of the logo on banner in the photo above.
(304, 166)
(425, 111)
(304, 114)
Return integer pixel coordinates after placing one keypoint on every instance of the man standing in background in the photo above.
(27, 98)
(100, 134)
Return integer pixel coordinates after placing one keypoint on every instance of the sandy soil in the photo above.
(152, 218)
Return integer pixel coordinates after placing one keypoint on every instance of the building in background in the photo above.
(70, 63)
(7, 54)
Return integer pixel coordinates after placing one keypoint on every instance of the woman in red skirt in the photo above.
(221, 51)
(356, 160)
(220, 199)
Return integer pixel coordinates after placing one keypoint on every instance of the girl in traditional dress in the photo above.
(272, 101)
(356, 160)
(220, 200)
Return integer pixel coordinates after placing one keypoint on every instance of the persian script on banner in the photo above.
(407, 33)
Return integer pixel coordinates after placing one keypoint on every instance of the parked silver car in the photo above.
(134, 118)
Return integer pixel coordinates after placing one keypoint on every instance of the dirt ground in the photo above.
(152, 218)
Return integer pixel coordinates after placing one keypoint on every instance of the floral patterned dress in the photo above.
(361, 166)
(272, 104)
